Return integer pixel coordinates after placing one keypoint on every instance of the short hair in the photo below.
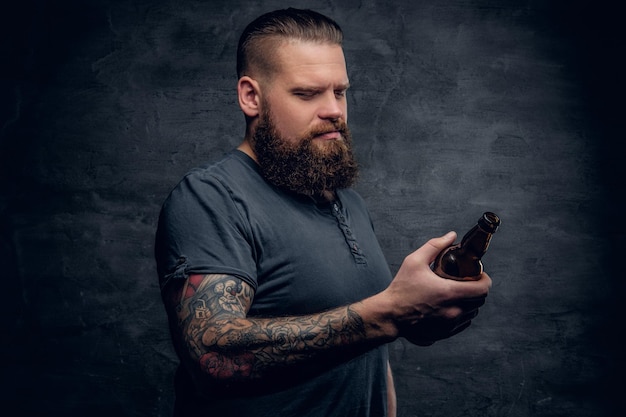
(254, 50)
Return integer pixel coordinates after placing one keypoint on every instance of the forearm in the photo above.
(247, 348)
(218, 338)
(257, 345)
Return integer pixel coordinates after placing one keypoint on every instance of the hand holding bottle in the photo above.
(426, 308)
(462, 261)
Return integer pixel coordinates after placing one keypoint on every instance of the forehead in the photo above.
(299, 62)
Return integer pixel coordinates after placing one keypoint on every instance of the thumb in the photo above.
(435, 245)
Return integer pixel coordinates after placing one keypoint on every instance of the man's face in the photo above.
(301, 141)
(308, 88)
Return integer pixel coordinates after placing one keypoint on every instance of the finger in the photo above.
(431, 249)
(467, 316)
(470, 290)
(458, 329)
(445, 334)
(470, 304)
(485, 279)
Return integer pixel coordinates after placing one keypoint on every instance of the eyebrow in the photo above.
(342, 86)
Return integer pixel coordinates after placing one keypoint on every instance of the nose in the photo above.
(333, 107)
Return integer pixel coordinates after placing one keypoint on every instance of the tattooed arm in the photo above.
(211, 324)
(208, 315)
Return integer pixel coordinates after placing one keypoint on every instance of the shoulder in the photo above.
(216, 180)
(234, 167)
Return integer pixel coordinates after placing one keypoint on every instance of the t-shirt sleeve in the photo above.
(201, 230)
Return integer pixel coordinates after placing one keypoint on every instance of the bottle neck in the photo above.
(476, 242)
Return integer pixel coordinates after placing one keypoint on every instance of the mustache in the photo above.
(331, 126)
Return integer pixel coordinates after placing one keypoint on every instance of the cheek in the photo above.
(293, 121)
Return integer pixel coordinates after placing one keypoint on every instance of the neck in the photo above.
(247, 149)
(326, 196)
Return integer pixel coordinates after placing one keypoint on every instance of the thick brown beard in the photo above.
(302, 166)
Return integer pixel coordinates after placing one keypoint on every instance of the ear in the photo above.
(248, 92)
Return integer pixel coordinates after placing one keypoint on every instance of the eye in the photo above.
(340, 93)
(305, 94)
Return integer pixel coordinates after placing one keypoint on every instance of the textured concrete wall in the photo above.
(457, 107)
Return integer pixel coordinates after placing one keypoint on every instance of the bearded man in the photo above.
(275, 227)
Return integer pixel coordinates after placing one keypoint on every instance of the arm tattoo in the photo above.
(228, 345)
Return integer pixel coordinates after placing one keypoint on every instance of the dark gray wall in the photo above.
(456, 108)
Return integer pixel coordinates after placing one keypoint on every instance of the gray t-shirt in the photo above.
(300, 257)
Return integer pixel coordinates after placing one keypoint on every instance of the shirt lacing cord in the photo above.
(353, 245)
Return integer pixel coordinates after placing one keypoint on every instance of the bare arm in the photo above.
(391, 394)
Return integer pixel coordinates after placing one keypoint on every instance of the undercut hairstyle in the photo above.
(261, 38)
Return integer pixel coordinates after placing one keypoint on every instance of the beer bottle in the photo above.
(462, 261)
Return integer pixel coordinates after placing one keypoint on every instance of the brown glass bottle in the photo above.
(462, 261)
